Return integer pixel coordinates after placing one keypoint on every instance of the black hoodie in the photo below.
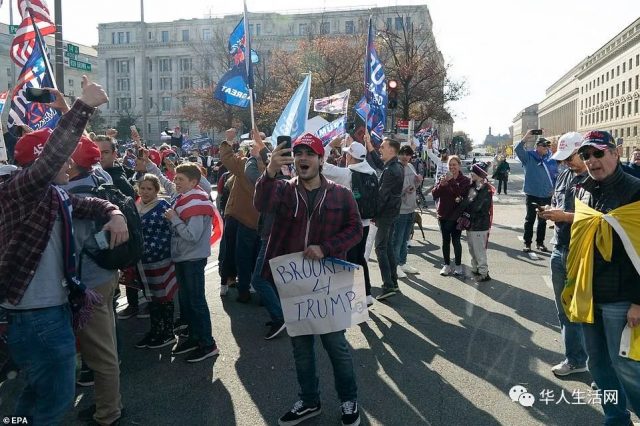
(120, 180)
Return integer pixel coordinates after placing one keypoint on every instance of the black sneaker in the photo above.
(203, 353)
(527, 248)
(184, 347)
(483, 278)
(144, 343)
(86, 378)
(161, 342)
(350, 413)
(86, 415)
(178, 325)
(388, 292)
(542, 248)
(298, 414)
(276, 328)
(183, 333)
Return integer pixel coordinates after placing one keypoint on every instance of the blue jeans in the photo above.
(193, 302)
(403, 227)
(265, 289)
(384, 253)
(337, 348)
(571, 332)
(610, 371)
(42, 344)
(246, 247)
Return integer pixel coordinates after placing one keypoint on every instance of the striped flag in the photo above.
(25, 38)
(196, 203)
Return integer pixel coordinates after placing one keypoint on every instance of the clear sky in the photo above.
(508, 51)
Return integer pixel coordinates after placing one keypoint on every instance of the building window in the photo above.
(629, 108)
(166, 104)
(630, 64)
(581, 105)
(635, 130)
(303, 29)
(635, 106)
(164, 64)
(389, 25)
(637, 60)
(628, 131)
(624, 67)
(618, 89)
(348, 27)
(186, 64)
(163, 125)
(185, 35)
(399, 23)
(618, 71)
(325, 28)
(150, 35)
(629, 84)
(122, 84)
(165, 36)
(150, 84)
(637, 82)
(122, 66)
(165, 83)
(186, 83)
(207, 64)
(251, 29)
(606, 114)
(623, 86)
(622, 110)
(617, 111)
(123, 103)
(407, 22)
(615, 133)
(70, 82)
(206, 34)
(607, 75)
(150, 62)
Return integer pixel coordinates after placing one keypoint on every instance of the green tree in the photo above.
(97, 123)
(126, 119)
(461, 143)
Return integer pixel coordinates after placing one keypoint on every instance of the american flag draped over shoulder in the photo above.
(157, 268)
(196, 203)
(25, 38)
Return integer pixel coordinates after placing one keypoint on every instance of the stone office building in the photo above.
(172, 54)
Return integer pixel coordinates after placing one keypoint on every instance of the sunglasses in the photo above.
(596, 154)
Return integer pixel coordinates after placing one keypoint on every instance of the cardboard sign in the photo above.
(319, 296)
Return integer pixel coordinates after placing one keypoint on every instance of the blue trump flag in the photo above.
(293, 120)
(233, 87)
(375, 90)
(35, 73)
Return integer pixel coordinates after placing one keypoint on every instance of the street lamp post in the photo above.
(145, 129)
(58, 42)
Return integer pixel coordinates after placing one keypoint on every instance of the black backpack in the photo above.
(124, 255)
(365, 191)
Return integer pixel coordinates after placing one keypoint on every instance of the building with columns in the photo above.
(600, 92)
(172, 54)
(526, 119)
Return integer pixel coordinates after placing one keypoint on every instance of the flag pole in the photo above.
(40, 40)
(247, 61)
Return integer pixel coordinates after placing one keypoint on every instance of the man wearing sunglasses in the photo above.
(561, 213)
(606, 282)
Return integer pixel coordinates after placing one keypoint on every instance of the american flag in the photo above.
(196, 203)
(25, 38)
(157, 268)
(35, 73)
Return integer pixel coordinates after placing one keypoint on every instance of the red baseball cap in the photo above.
(30, 146)
(86, 154)
(312, 141)
(155, 156)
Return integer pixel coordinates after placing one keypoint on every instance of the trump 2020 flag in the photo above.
(36, 73)
(375, 89)
(334, 104)
(293, 119)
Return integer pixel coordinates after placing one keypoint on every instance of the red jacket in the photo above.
(447, 192)
(334, 223)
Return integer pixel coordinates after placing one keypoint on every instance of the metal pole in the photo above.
(59, 53)
(145, 78)
(13, 64)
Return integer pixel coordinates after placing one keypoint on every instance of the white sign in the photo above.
(319, 296)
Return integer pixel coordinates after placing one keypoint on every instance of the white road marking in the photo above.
(547, 281)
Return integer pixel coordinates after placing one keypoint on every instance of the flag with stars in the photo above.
(158, 269)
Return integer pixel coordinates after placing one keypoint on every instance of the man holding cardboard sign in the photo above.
(320, 219)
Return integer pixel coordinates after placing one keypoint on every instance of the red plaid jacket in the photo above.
(334, 223)
(28, 206)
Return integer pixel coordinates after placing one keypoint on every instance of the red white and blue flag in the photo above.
(25, 39)
(196, 203)
(35, 73)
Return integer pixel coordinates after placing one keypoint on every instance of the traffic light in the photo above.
(392, 94)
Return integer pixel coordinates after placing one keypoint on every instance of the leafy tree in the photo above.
(126, 119)
(97, 123)
(461, 143)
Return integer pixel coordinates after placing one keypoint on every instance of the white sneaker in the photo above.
(224, 289)
(409, 269)
(251, 289)
(400, 272)
(446, 270)
(459, 270)
(369, 300)
(564, 369)
(410, 244)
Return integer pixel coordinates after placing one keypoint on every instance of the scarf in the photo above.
(196, 203)
(81, 300)
(590, 225)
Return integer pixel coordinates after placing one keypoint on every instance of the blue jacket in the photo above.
(539, 180)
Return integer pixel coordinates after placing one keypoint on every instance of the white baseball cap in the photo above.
(567, 145)
(356, 150)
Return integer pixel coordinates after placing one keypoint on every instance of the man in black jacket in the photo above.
(616, 289)
(389, 201)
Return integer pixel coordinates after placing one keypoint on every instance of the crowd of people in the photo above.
(71, 201)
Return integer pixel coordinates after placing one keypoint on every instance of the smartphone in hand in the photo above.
(34, 94)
